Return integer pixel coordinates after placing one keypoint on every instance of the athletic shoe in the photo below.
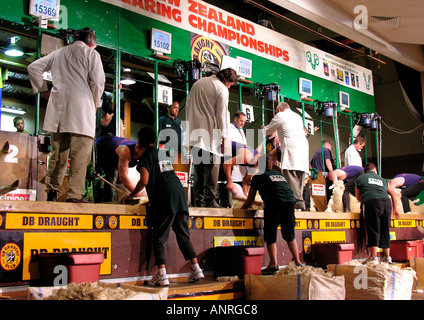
(196, 276)
(270, 270)
(386, 260)
(371, 260)
(159, 280)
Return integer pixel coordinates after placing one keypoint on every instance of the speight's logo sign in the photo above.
(207, 50)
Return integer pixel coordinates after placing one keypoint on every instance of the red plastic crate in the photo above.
(402, 250)
(238, 260)
(333, 253)
(81, 267)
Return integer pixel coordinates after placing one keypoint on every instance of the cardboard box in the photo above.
(418, 265)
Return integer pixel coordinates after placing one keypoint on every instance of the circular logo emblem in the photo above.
(199, 223)
(113, 222)
(309, 224)
(10, 256)
(99, 222)
(352, 224)
(207, 50)
(257, 223)
(307, 245)
(358, 224)
(190, 223)
(316, 224)
(225, 243)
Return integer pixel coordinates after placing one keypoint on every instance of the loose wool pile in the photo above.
(292, 269)
(90, 291)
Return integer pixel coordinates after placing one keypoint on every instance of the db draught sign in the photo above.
(67, 242)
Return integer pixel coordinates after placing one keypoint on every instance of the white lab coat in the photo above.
(352, 157)
(207, 114)
(293, 143)
(78, 82)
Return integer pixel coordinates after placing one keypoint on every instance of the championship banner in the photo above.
(219, 25)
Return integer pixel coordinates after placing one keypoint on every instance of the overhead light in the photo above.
(127, 77)
(13, 110)
(14, 50)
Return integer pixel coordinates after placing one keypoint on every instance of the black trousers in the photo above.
(206, 171)
(377, 214)
(410, 193)
(161, 226)
(279, 213)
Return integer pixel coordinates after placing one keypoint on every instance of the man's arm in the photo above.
(357, 194)
(329, 165)
(97, 77)
(35, 73)
(142, 183)
(395, 199)
(272, 126)
(250, 198)
(124, 155)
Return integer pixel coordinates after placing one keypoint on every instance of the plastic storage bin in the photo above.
(333, 253)
(81, 267)
(402, 250)
(238, 261)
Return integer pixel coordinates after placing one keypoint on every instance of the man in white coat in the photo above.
(208, 120)
(294, 148)
(352, 154)
(78, 82)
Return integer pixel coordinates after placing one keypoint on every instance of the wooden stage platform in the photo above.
(28, 228)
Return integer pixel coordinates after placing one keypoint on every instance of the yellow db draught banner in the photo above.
(69, 242)
(334, 224)
(227, 223)
(328, 236)
(48, 221)
(132, 222)
(404, 223)
(300, 224)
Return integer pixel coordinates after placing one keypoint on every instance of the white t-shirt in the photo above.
(352, 157)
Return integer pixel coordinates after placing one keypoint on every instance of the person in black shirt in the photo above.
(171, 139)
(279, 206)
(376, 207)
(168, 203)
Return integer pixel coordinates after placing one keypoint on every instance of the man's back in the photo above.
(207, 109)
(78, 83)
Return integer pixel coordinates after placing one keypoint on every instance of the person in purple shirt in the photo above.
(116, 155)
(348, 174)
(411, 185)
(316, 161)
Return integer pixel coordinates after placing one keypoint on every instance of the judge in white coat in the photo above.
(352, 154)
(208, 120)
(294, 148)
(78, 82)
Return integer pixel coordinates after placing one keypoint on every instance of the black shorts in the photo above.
(275, 214)
(377, 214)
